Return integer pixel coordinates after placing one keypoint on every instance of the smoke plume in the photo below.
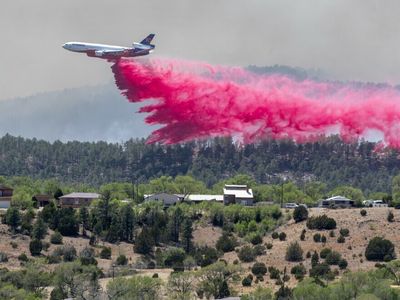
(194, 100)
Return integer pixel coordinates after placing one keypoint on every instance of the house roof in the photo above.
(3, 187)
(42, 197)
(198, 197)
(338, 198)
(81, 195)
(239, 191)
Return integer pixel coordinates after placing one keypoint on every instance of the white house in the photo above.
(239, 194)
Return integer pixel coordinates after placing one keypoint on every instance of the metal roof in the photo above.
(82, 195)
(198, 197)
(240, 191)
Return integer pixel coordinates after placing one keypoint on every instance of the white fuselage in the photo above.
(84, 47)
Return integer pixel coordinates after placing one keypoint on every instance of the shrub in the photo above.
(342, 264)
(341, 239)
(378, 248)
(274, 235)
(333, 258)
(53, 259)
(314, 258)
(35, 247)
(205, 256)
(174, 258)
(308, 255)
(86, 257)
(363, 212)
(69, 253)
(344, 232)
(236, 262)
(294, 252)
(155, 275)
(246, 254)
(226, 243)
(317, 237)
(3, 257)
(23, 257)
(320, 270)
(274, 273)
(321, 222)
(390, 216)
(332, 233)
(259, 250)
(282, 236)
(105, 253)
(247, 281)
(269, 246)
(298, 271)
(323, 239)
(259, 269)
(121, 260)
(300, 213)
(56, 238)
(14, 245)
(303, 235)
(256, 239)
(324, 252)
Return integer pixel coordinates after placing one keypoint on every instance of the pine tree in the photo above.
(144, 242)
(13, 218)
(39, 229)
(127, 223)
(314, 259)
(84, 219)
(187, 234)
(175, 224)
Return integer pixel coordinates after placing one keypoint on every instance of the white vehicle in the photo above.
(374, 203)
(291, 205)
(110, 51)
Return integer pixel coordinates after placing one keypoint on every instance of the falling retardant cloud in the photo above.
(193, 100)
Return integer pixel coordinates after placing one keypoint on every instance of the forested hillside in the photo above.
(330, 161)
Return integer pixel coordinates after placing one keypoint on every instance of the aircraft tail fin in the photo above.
(148, 39)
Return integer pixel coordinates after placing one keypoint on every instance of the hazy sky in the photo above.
(357, 39)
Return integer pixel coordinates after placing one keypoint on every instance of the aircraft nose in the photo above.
(65, 46)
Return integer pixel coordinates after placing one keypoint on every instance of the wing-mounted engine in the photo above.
(99, 53)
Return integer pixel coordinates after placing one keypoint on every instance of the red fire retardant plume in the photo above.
(196, 100)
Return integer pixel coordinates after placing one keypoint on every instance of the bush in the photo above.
(56, 238)
(246, 254)
(341, 239)
(321, 222)
(274, 235)
(205, 256)
(256, 239)
(121, 260)
(105, 253)
(298, 271)
(269, 246)
(247, 281)
(332, 233)
(323, 239)
(282, 236)
(3, 257)
(259, 250)
(320, 270)
(69, 253)
(155, 275)
(333, 258)
(379, 248)
(342, 264)
(174, 258)
(294, 252)
(314, 259)
(324, 252)
(308, 255)
(390, 216)
(226, 243)
(274, 273)
(303, 235)
(23, 257)
(363, 212)
(35, 247)
(300, 213)
(53, 259)
(259, 269)
(86, 257)
(14, 245)
(317, 237)
(344, 232)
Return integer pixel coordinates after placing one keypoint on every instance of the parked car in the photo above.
(374, 203)
(291, 205)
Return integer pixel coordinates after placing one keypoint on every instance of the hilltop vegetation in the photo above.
(329, 161)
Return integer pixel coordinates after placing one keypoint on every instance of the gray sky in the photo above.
(349, 39)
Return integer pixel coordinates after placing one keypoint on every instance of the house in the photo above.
(76, 200)
(239, 194)
(197, 198)
(336, 202)
(167, 199)
(6, 194)
(41, 200)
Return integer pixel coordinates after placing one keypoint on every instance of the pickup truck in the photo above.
(374, 203)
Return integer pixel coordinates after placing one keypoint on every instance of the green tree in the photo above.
(127, 223)
(144, 242)
(84, 219)
(187, 235)
(135, 288)
(13, 218)
(39, 229)
(35, 247)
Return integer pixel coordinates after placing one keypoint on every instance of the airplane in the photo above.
(112, 52)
